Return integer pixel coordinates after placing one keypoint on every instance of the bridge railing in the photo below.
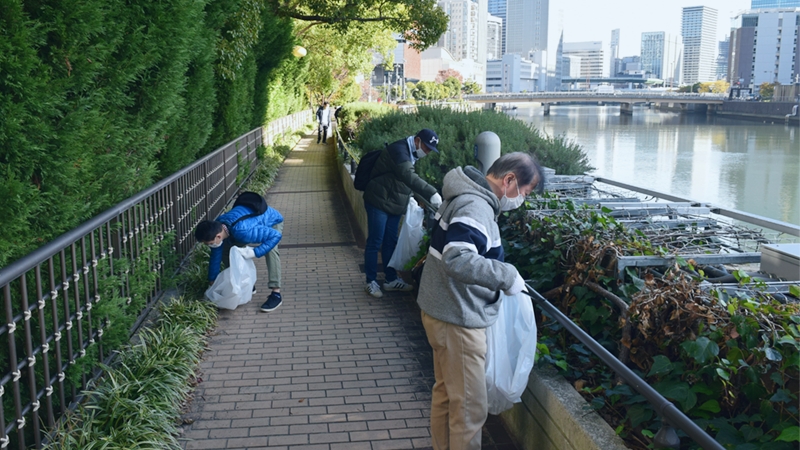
(52, 297)
(584, 94)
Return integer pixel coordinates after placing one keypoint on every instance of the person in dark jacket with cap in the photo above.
(386, 196)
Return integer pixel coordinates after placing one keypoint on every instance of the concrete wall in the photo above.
(553, 416)
(758, 110)
(355, 197)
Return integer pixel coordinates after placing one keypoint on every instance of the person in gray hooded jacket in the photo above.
(460, 288)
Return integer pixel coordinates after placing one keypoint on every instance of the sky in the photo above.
(593, 20)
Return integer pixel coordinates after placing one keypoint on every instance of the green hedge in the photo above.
(457, 132)
(100, 98)
(353, 115)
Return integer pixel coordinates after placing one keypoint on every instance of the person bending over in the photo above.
(259, 235)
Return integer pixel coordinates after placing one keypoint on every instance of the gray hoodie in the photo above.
(464, 272)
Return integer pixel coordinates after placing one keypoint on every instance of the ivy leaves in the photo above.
(702, 350)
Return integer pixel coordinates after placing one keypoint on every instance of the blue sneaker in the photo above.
(273, 302)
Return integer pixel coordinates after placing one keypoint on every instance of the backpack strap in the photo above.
(230, 228)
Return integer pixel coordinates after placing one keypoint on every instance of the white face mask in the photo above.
(508, 204)
(420, 153)
(215, 244)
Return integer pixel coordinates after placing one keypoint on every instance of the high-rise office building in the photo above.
(722, 58)
(461, 37)
(699, 32)
(755, 4)
(558, 73)
(763, 47)
(662, 56)
(497, 8)
(494, 38)
(526, 26)
(512, 73)
(632, 65)
(592, 62)
(613, 57)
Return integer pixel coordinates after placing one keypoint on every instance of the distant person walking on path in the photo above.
(386, 196)
(234, 228)
(324, 120)
(460, 290)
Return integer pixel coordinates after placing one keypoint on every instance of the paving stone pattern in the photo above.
(332, 368)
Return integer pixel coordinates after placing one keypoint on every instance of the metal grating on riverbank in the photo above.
(685, 230)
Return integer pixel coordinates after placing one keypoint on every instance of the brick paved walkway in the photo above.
(332, 368)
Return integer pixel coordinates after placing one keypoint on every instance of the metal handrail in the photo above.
(342, 145)
(669, 413)
(49, 295)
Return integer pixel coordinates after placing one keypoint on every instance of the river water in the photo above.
(745, 165)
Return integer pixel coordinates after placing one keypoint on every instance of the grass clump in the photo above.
(136, 404)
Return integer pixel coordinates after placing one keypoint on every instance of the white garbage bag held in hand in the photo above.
(510, 352)
(234, 285)
(436, 200)
(410, 238)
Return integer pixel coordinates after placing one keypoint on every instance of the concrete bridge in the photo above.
(626, 99)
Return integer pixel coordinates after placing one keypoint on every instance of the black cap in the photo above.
(429, 138)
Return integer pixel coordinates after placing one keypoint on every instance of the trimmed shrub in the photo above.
(101, 98)
(353, 115)
(457, 132)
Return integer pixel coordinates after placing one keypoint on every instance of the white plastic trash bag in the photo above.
(234, 285)
(510, 352)
(410, 238)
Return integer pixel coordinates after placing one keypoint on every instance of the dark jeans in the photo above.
(322, 133)
(381, 229)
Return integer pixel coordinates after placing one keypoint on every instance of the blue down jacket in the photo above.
(254, 230)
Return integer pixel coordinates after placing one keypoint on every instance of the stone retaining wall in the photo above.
(759, 110)
(355, 197)
(553, 416)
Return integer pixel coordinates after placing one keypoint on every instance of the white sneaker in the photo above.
(373, 289)
(398, 285)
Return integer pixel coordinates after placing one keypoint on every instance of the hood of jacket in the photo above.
(469, 181)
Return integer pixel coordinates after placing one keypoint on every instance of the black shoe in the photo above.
(254, 290)
(273, 302)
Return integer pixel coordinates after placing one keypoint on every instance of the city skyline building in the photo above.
(632, 65)
(494, 37)
(558, 73)
(763, 47)
(699, 31)
(722, 58)
(466, 35)
(662, 57)
(512, 73)
(592, 61)
(526, 26)
(497, 8)
(461, 37)
(757, 4)
(613, 57)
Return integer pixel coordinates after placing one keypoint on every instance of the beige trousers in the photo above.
(459, 406)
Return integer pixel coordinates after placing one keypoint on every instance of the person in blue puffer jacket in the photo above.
(259, 236)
